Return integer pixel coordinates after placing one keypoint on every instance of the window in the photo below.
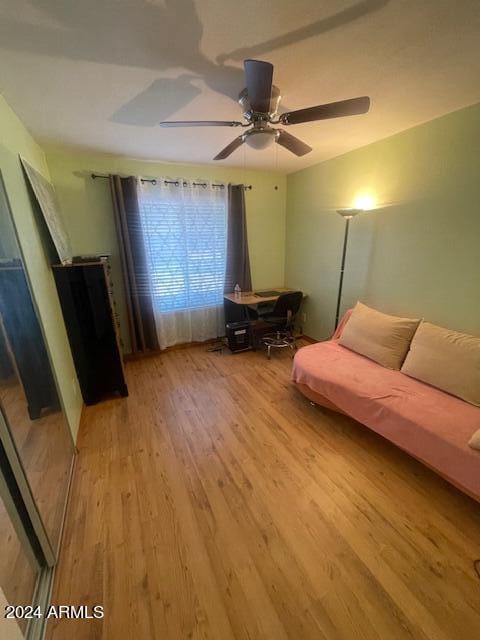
(184, 228)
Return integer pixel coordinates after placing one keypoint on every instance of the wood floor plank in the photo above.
(216, 503)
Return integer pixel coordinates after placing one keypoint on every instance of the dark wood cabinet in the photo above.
(89, 318)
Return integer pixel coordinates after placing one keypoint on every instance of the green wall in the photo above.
(418, 253)
(15, 140)
(87, 211)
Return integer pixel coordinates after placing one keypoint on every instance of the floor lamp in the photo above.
(347, 214)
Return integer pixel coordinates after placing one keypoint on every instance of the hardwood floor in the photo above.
(216, 502)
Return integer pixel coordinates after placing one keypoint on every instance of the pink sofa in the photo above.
(429, 424)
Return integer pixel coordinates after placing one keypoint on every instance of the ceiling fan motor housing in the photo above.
(250, 115)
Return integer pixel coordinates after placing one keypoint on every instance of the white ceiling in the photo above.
(99, 74)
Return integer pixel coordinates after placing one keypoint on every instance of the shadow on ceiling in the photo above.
(150, 35)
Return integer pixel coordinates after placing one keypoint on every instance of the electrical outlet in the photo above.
(304, 317)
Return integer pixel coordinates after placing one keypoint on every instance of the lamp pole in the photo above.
(348, 214)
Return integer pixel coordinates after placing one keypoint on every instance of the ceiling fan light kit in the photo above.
(260, 101)
(260, 138)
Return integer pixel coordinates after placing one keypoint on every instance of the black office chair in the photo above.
(282, 318)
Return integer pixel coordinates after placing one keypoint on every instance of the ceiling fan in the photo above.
(260, 101)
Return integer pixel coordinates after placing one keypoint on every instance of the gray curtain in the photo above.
(143, 334)
(238, 261)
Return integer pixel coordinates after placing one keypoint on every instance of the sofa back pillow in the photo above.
(474, 441)
(446, 359)
(378, 336)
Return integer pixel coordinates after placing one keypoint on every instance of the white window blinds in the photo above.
(184, 229)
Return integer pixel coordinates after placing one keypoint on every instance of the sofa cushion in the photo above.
(474, 441)
(446, 359)
(378, 336)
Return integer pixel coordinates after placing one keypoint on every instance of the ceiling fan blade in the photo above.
(352, 107)
(230, 148)
(200, 123)
(292, 143)
(259, 77)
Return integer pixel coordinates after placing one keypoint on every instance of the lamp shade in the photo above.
(349, 213)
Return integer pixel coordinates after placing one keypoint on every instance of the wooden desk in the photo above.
(244, 308)
(249, 298)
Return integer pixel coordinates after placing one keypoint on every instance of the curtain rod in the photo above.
(175, 182)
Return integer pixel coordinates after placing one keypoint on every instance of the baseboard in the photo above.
(128, 357)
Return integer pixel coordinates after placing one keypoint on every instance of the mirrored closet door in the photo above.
(34, 433)
(20, 571)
